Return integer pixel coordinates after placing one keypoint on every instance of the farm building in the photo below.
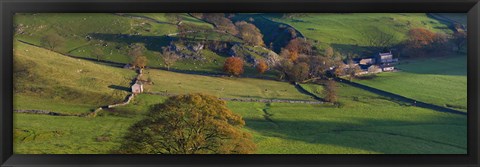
(137, 88)
(374, 69)
(388, 68)
(367, 61)
(383, 62)
(386, 58)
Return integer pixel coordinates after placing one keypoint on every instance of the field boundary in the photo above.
(44, 112)
(397, 134)
(301, 89)
(128, 99)
(401, 98)
(247, 99)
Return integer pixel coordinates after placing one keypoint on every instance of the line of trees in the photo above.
(301, 61)
(423, 42)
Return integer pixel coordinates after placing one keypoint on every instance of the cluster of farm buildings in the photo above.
(383, 62)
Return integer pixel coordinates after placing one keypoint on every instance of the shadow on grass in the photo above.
(400, 98)
(361, 133)
(123, 88)
(273, 32)
(154, 43)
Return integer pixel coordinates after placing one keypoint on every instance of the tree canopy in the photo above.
(262, 66)
(233, 66)
(189, 124)
(250, 33)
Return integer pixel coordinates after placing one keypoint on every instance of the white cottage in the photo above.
(137, 88)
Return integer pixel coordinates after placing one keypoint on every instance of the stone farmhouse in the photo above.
(386, 61)
(137, 87)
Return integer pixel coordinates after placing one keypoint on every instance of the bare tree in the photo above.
(52, 41)
(136, 50)
(352, 69)
(330, 91)
(98, 53)
(169, 57)
(460, 39)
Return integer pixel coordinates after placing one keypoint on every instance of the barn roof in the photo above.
(385, 54)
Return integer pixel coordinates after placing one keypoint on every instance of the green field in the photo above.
(364, 124)
(440, 81)
(354, 32)
(71, 86)
(171, 82)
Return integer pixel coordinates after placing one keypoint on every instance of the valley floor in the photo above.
(365, 123)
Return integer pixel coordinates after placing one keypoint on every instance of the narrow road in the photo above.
(402, 98)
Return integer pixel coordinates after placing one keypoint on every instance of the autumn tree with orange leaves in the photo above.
(262, 66)
(420, 37)
(423, 42)
(296, 47)
(233, 66)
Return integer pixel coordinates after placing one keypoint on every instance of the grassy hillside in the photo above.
(361, 123)
(353, 32)
(113, 34)
(43, 134)
(49, 81)
(440, 81)
(76, 27)
(171, 82)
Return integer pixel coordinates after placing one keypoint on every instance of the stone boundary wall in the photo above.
(249, 99)
(44, 112)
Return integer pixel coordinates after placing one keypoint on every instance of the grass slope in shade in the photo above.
(439, 81)
(171, 82)
(71, 86)
(365, 124)
(353, 32)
